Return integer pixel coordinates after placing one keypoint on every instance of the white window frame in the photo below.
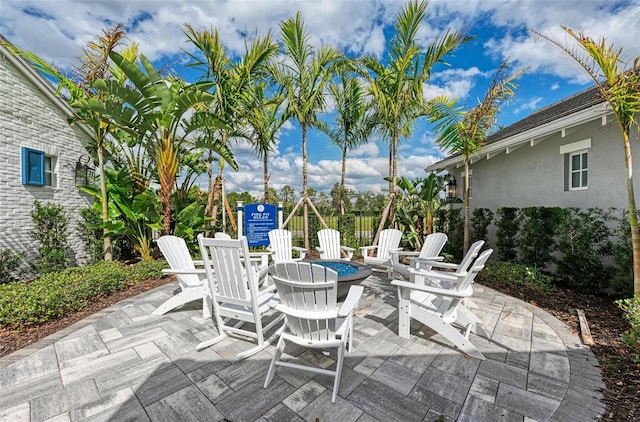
(582, 170)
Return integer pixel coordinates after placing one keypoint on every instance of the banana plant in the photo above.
(132, 217)
(153, 109)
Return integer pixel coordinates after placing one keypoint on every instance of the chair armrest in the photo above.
(368, 248)
(348, 249)
(185, 271)
(198, 262)
(302, 251)
(352, 300)
(402, 284)
(401, 252)
(437, 275)
(426, 262)
(437, 263)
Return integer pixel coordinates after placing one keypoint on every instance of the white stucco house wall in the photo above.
(39, 150)
(568, 154)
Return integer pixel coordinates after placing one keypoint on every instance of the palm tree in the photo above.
(95, 64)
(464, 133)
(396, 84)
(303, 75)
(231, 82)
(620, 87)
(264, 121)
(350, 129)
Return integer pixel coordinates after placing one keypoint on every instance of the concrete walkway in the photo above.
(125, 364)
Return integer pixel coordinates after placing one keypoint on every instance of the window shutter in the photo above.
(32, 167)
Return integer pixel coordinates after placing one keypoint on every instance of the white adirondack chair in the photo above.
(330, 248)
(281, 246)
(237, 298)
(389, 241)
(460, 269)
(436, 265)
(190, 279)
(438, 308)
(308, 295)
(430, 250)
(258, 259)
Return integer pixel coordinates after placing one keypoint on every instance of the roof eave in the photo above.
(529, 136)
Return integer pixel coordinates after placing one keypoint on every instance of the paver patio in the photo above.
(125, 364)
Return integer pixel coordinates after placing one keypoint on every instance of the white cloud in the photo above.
(58, 30)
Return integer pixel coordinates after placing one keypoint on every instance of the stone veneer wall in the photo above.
(29, 118)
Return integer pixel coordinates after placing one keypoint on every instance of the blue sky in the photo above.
(57, 31)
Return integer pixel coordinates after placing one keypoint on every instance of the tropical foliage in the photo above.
(396, 83)
(464, 133)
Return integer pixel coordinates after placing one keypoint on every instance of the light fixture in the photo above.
(452, 188)
(85, 173)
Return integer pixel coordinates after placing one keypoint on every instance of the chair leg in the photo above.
(466, 317)
(336, 381)
(454, 336)
(211, 342)
(182, 298)
(404, 317)
(276, 357)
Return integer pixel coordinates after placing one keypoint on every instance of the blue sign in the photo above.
(259, 220)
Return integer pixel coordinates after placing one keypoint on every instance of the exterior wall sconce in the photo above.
(84, 172)
(452, 188)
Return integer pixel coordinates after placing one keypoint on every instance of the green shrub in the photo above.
(450, 221)
(622, 277)
(631, 337)
(508, 226)
(480, 220)
(538, 234)
(50, 223)
(9, 263)
(583, 243)
(55, 295)
(91, 234)
(499, 273)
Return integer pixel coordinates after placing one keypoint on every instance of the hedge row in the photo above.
(55, 295)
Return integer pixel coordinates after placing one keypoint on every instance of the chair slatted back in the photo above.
(308, 296)
(281, 241)
(389, 239)
(329, 240)
(177, 254)
(473, 251)
(230, 258)
(433, 245)
(477, 266)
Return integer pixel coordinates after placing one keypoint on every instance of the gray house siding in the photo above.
(31, 117)
(535, 175)
(525, 164)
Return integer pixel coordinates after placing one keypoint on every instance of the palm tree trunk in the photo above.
(167, 170)
(633, 215)
(465, 244)
(107, 249)
(343, 208)
(265, 178)
(209, 207)
(305, 197)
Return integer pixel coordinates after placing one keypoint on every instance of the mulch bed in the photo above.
(620, 374)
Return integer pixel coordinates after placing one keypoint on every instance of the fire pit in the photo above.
(349, 274)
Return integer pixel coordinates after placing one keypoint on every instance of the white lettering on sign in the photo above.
(259, 216)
